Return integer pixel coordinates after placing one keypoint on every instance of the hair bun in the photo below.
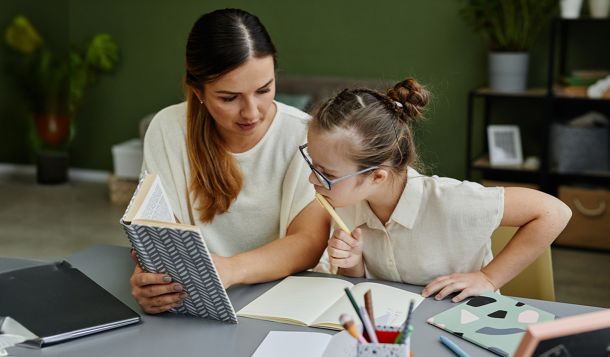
(411, 95)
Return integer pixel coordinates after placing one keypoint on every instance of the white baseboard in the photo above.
(75, 174)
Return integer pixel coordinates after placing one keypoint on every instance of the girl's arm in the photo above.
(301, 249)
(541, 218)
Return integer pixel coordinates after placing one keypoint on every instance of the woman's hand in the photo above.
(345, 252)
(468, 284)
(154, 293)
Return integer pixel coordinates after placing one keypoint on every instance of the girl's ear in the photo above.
(380, 175)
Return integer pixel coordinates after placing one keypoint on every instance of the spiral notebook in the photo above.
(492, 321)
(179, 250)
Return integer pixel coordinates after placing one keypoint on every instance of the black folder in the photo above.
(57, 302)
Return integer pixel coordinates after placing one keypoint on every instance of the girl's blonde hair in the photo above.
(380, 123)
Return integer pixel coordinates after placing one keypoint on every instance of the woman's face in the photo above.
(241, 101)
(328, 152)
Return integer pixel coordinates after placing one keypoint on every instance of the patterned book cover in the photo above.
(182, 254)
(492, 321)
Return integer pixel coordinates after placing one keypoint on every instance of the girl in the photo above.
(228, 160)
(414, 228)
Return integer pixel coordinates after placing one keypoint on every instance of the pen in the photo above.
(370, 330)
(332, 213)
(351, 300)
(368, 304)
(453, 347)
(407, 328)
(350, 326)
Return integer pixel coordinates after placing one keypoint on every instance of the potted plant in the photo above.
(53, 85)
(509, 27)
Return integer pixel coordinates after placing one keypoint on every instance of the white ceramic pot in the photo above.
(508, 71)
(599, 9)
(570, 9)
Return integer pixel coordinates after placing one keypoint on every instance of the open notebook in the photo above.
(319, 301)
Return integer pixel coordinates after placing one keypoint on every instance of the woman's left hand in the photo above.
(468, 284)
(225, 270)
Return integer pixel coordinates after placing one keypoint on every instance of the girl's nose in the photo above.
(313, 179)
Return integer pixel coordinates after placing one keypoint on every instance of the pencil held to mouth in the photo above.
(322, 200)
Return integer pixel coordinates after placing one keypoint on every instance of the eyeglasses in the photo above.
(325, 181)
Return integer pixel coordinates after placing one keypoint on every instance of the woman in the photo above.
(229, 162)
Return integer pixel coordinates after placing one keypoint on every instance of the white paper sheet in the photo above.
(292, 343)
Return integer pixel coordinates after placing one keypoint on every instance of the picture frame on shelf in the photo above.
(504, 145)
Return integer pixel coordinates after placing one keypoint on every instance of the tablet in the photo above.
(581, 335)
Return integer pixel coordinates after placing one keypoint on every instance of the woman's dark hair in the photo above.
(219, 42)
(380, 124)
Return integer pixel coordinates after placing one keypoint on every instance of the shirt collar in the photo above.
(406, 210)
(408, 205)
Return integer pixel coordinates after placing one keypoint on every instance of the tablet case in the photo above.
(57, 302)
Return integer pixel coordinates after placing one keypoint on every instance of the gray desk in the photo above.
(172, 335)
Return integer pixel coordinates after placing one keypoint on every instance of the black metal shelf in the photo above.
(583, 19)
(552, 99)
(592, 178)
(537, 93)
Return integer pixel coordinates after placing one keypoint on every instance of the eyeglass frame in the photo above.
(325, 181)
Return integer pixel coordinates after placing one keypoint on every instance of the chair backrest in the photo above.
(536, 281)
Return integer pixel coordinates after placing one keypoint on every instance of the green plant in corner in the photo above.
(508, 25)
(53, 83)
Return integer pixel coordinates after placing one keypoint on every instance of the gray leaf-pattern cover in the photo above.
(183, 255)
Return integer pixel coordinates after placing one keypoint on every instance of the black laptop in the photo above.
(57, 302)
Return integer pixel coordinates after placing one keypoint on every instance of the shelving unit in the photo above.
(554, 104)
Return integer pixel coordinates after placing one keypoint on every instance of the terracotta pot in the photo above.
(53, 129)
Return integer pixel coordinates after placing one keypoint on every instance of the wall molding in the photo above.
(74, 174)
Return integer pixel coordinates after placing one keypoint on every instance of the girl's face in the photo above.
(241, 101)
(328, 152)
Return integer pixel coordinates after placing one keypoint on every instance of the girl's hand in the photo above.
(469, 284)
(345, 251)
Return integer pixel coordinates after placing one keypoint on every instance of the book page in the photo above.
(297, 300)
(156, 205)
(388, 302)
(292, 343)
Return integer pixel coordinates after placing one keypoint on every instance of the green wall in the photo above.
(50, 18)
(358, 39)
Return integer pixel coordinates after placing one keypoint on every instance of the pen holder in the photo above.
(386, 346)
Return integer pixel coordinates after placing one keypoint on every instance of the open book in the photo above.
(164, 245)
(319, 301)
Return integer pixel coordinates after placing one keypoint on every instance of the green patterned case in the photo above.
(492, 321)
